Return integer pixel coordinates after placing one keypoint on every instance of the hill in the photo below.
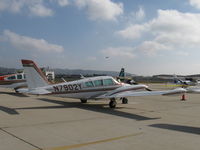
(58, 71)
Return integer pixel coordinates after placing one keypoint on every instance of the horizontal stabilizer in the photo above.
(22, 90)
(38, 91)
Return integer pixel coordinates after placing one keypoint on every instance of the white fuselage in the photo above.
(90, 88)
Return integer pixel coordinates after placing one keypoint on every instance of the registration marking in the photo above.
(67, 87)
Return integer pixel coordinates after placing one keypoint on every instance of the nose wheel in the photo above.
(112, 103)
(83, 100)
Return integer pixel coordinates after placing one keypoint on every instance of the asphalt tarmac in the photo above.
(29, 122)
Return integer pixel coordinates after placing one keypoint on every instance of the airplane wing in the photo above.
(193, 90)
(145, 93)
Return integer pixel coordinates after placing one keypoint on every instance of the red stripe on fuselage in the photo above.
(2, 78)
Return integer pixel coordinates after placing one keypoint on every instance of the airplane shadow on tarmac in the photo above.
(10, 111)
(14, 94)
(90, 107)
(180, 128)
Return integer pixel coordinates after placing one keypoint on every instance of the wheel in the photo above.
(124, 100)
(112, 103)
(83, 100)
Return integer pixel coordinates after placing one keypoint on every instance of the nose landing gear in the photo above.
(83, 100)
(112, 103)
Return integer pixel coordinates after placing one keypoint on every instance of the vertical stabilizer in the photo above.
(177, 80)
(122, 73)
(34, 76)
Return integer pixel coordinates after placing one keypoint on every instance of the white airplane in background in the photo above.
(13, 81)
(191, 82)
(102, 87)
(182, 82)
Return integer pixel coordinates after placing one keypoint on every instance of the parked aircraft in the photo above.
(102, 87)
(185, 82)
(14, 81)
(123, 78)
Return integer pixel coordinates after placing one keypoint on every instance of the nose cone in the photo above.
(144, 86)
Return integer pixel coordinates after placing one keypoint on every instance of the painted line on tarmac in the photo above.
(92, 143)
(38, 148)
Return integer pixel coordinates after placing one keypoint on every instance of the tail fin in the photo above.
(177, 80)
(122, 73)
(34, 76)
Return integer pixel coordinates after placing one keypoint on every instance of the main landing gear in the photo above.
(112, 103)
(83, 100)
(124, 100)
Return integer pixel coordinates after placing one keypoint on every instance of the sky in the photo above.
(146, 37)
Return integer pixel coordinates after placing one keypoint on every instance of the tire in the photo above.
(83, 100)
(112, 104)
(124, 100)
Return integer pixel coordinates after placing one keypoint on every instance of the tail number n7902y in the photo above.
(67, 87)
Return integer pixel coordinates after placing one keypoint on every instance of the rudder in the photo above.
(34, 76)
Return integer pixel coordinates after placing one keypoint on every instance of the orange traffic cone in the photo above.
(183, 98)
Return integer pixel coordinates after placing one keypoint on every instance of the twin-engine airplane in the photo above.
(14, 81)
(102, 87)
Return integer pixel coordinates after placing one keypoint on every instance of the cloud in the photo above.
(30, 44)
(182, 53)
(139, 15)
(31, 7)
(63, 3)
(118, 52)
(11, 5)
(151, 47)
(171, 29)
(132, 32)
(91, 58)
(131, 18)
(96, 9)
(195, 3)
(41, 11)
(101, 9)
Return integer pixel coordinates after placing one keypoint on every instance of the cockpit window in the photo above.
(89, 84)
(98, 82)
(11, 78)
(19, 76)
(108, 82)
